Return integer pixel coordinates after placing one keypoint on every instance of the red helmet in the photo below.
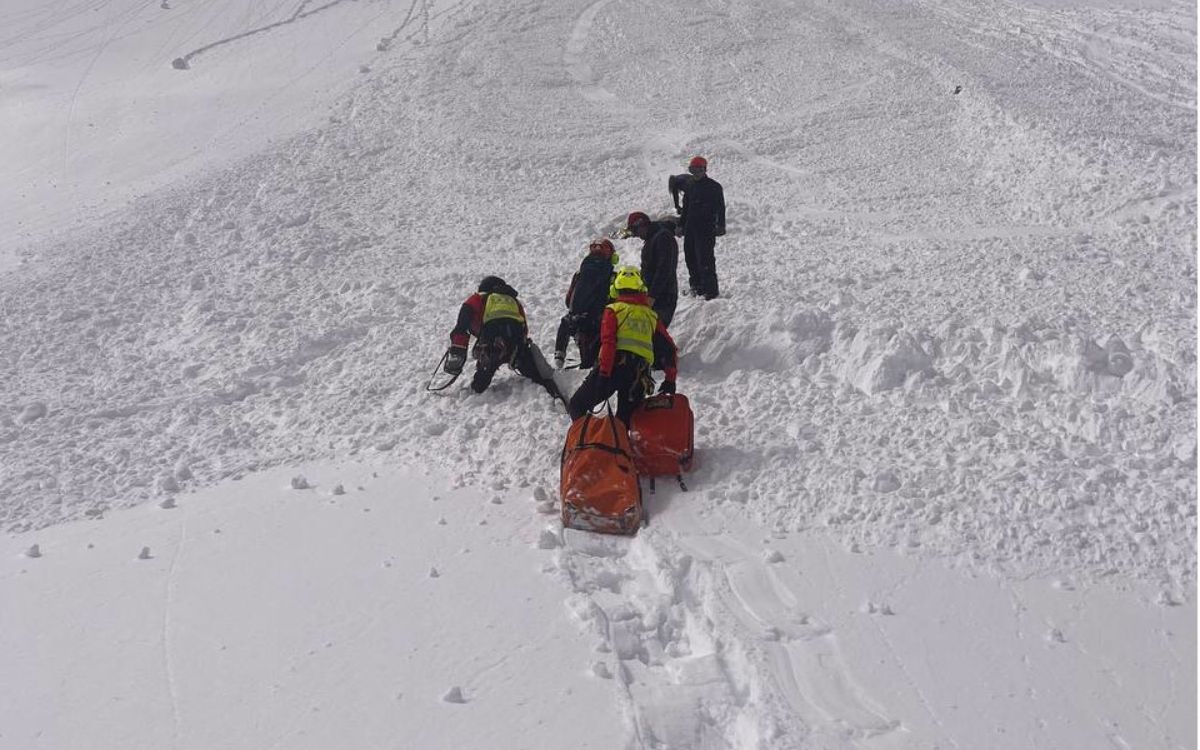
(603, 248)
(698, 162)
(636, 219)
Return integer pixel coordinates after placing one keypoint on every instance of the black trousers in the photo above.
(665, 309)
(630, 380)
(699, 252)
(587, 338)
(492, 352)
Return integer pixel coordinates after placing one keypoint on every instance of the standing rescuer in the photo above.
(497, 320)
(702, 216)
(630, 335)
(660, 263)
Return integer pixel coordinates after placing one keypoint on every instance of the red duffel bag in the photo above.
(662, 434)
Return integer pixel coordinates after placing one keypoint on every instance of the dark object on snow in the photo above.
(677, 185)
(442, 366)
(958, 89)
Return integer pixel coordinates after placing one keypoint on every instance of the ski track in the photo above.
(292, 309)
(169, 670)
(299, 14)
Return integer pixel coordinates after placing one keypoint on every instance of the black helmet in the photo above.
(496, 284)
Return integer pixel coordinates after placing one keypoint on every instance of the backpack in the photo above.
(597, 478)
(589, 288)
(662, 436)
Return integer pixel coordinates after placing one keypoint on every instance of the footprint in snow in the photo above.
(874, 608)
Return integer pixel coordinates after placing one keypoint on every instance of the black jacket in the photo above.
(703, 208)
(589, 289)
(660, 259)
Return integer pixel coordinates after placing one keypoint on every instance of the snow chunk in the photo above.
(454, 695)
(880, 360)
(548, 539)
(32, 412)
(886, 481)
(1164, 599)
(33, 551)
(144, 554)
(772, 556)
(298, 220)
(1120, 361)
(300, 483)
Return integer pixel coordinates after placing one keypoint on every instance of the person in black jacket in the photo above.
(702, 216)
(660, 261)
(586, 298)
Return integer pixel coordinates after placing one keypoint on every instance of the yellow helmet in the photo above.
(628, 279)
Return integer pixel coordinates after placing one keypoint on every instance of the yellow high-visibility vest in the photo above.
(635, 329)
(501, 306)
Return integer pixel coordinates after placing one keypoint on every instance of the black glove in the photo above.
(456, 357)
(668, 387)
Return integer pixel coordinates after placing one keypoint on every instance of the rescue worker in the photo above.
(586, 298)
(660, 263)
(630, 335)
(702, 217)
(497, 320)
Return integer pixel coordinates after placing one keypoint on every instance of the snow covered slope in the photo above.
(945, 410)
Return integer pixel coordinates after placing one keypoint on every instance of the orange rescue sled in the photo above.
(598, 480)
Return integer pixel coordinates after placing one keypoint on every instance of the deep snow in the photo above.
(946, 418)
